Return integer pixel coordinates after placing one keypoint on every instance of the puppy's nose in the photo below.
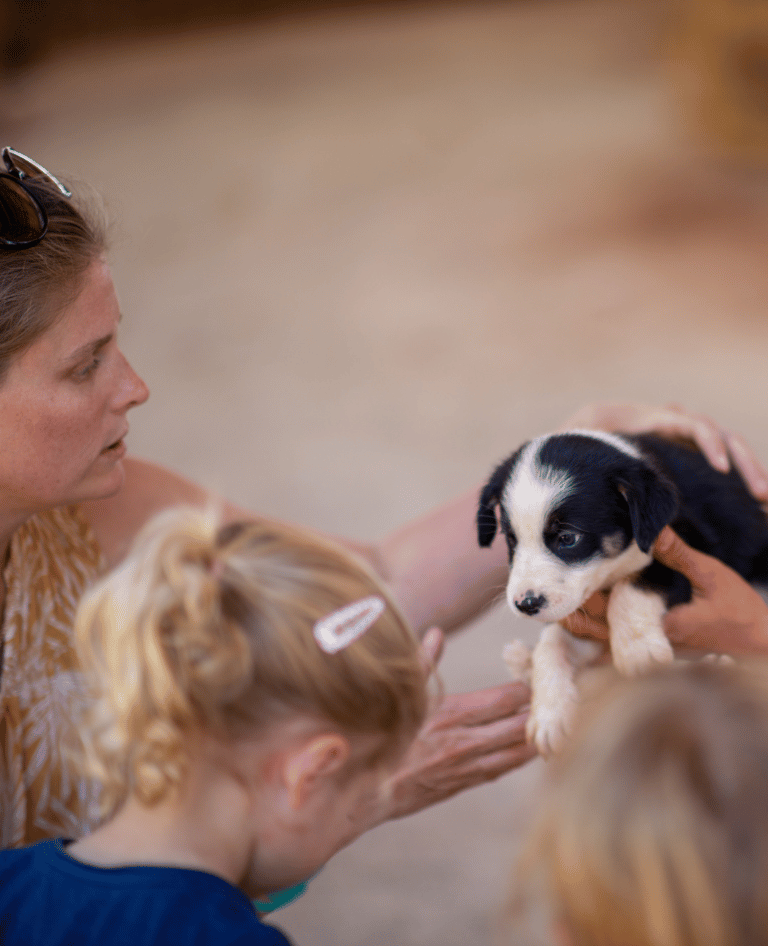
(530, 603)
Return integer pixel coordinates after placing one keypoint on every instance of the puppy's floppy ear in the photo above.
(490, 497)
(652, 502)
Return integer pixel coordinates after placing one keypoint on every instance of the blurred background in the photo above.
(365, 249)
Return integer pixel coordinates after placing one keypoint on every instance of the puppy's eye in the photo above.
(567, 539)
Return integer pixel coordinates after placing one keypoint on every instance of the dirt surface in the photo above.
(361, 257)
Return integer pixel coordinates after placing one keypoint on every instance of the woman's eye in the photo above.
(567, 540)
(87, 370)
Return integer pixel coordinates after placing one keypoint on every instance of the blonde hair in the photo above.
(210, 628)
(654, 831)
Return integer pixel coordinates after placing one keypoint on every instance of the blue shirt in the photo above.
(50, 899)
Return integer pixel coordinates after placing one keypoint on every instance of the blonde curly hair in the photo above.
(210, 628)
(654, 829)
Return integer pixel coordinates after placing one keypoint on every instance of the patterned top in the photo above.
(53, 558)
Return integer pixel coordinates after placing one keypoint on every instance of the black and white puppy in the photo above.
(580, 512)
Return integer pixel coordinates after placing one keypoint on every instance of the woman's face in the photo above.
(63, 406)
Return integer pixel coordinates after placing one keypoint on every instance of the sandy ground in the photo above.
(361, 257)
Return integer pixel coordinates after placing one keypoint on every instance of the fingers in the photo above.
(590, 620)
(469, 744)
(680, 625)
(719, 446)
(422, 785)
(708, 438)
(432, 648)
(745, 461)
(481, 706)
(489, 767)
(671, 551)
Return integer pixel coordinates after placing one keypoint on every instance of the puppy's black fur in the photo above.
(612, 494)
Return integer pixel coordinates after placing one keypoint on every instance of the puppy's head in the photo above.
(578, 511)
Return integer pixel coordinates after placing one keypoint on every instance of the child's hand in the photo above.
(725, 614)
(469, 739)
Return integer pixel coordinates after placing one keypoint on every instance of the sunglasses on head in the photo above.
(23, 220)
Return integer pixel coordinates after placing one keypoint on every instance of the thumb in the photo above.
(432, 647)
(671, 551)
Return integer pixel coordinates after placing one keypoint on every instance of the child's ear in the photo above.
(305, 767)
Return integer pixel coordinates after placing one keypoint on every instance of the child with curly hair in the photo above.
(253, 686)
(654, 830)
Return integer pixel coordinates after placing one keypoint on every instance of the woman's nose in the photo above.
(133, 390)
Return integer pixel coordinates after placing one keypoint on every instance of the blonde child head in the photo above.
(654, 831)
(206, 629)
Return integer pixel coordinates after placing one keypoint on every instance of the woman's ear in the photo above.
(306, 766)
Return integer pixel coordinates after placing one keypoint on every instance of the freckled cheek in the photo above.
(67, 438)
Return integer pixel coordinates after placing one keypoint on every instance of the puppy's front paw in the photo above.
(634, 654)
(551, 716)
(636, 620)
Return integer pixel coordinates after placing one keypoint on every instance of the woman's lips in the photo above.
(117, 448)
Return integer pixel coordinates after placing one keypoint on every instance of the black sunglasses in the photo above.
(23, 220)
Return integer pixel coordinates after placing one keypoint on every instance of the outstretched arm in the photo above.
(436, 569)
(441, 576)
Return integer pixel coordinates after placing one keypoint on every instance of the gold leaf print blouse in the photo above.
(53, 559)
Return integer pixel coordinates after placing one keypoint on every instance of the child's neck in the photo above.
(209, 827)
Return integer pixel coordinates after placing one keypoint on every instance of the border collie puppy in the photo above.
(580, 512)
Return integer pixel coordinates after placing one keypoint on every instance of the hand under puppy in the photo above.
(725, 615)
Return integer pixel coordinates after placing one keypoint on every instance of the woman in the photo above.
(71, 503)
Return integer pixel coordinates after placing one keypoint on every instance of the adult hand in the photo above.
(469, 739)
(721, 447)
(725, 614)
(591, 619)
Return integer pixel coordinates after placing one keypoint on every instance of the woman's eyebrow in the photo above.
(89, 349)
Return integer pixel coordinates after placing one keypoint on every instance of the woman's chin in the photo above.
(107, 483)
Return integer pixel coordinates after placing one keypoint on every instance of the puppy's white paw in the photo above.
(639, 653)
(517, 656)
(636, 620)
(551, 717)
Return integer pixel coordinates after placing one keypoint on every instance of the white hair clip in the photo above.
(340, 628)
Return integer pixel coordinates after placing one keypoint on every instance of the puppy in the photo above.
(580, 512)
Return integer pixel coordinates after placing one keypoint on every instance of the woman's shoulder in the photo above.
(148, 489)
